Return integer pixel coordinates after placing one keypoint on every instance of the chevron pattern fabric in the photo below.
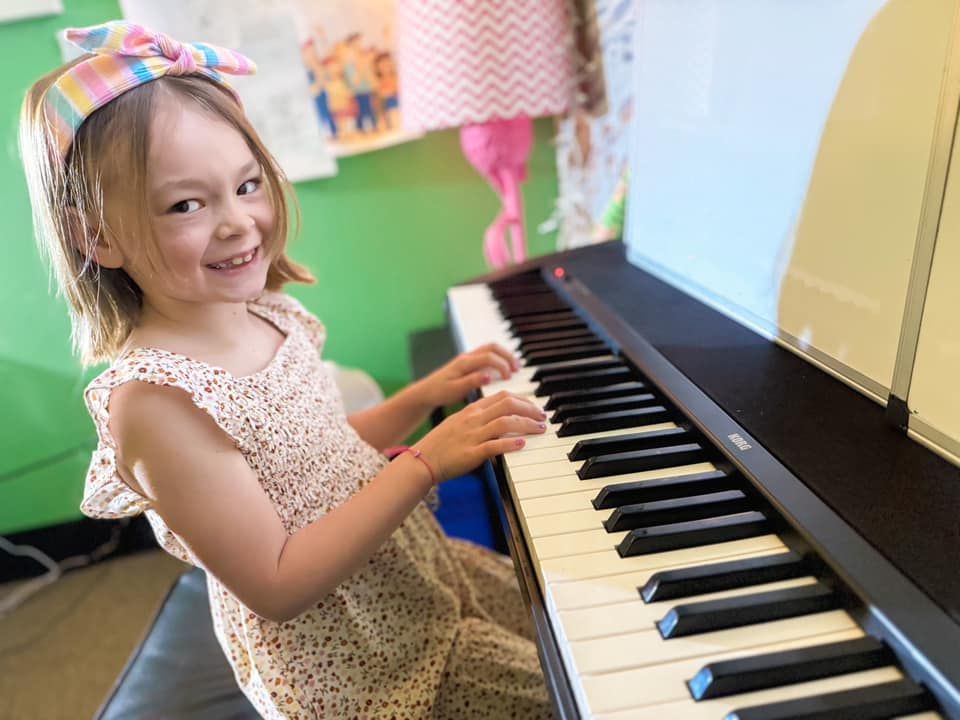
(465, 62)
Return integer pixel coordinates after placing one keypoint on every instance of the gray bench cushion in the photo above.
(179, 671)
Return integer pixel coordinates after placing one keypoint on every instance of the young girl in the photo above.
(333, 590)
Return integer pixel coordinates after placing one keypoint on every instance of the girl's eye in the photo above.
(249, 186)
(185, 206)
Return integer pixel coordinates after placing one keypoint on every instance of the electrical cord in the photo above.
(55, 570)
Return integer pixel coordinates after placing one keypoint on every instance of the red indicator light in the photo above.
(559, 273)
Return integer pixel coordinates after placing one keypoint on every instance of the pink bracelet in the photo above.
(392, 452)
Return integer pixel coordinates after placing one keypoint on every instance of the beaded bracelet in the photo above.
(392, 452)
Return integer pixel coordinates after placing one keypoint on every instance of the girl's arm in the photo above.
(172, 453)
(393, 420)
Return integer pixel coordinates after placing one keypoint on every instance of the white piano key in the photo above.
(634, 615)
(552, 439)
(568, 522)
(611, 589)
(572, 483)
(540, 471)
(720, 707)
(550, 453)
(511, 385)
(637, 649)
(523, 375)
(537, 456)
(580, 543)
(473, 315)
(666, 682)
(608, 562)
(551, 517)
(552, 504)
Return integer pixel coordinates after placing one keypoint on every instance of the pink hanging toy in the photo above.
(499, 150)
(487, 68)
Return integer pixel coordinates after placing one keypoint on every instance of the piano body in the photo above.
(733, 512)
(710, 524)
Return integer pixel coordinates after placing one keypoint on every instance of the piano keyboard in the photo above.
(665, 579)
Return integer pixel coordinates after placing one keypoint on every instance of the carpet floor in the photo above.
(62, 650)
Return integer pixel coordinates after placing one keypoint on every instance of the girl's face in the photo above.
(211, 216)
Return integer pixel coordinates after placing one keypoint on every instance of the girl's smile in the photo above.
(236, 264)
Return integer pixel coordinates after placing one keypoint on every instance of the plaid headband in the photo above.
(126, 56)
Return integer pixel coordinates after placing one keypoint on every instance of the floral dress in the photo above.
(430, 627)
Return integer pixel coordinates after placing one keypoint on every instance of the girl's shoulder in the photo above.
(128, 391)
(284, 309)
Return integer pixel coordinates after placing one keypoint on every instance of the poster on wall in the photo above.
(21, 9)
(348, 53)
(277, 98)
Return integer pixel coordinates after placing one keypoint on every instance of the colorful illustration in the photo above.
(349, 58)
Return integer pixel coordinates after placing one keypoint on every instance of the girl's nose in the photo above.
(234, 222)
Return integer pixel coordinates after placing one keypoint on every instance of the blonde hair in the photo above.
(68, 201)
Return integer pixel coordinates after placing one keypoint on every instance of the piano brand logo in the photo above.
(738, 440)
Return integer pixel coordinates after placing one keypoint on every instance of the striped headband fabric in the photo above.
(125, 56)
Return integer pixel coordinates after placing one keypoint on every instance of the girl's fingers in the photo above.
(474, 380)
(510, 405)
(508, 356)
(485, 358)
(489, 400)
(514, 424)
(502, 446)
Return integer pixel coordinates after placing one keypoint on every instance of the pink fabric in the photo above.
(471, 61)
(122, 56)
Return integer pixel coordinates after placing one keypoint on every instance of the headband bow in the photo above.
(125, 56)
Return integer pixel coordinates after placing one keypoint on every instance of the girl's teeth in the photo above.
(236, 261)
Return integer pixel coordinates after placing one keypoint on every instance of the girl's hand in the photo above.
(465, 373)
(467, 438)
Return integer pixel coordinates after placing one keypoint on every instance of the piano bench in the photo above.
(178, 672)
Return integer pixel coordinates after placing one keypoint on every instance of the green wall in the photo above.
(385, 238)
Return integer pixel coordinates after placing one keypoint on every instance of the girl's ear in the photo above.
(106, 252)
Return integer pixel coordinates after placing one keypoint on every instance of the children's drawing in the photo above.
(348, 53)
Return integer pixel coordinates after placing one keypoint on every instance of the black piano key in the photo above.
(538, 289)
(553, 336)
(562, 344)
(527, 278)
(525, 331)
(579, 352)
(665, 488)
(564, 397)
(703, 579)
(627, 402)
(584, 380)
(521, 293)
(583, 424)
(520, 312)
(536, 298)
(645, 541)
(585, 449)
(731, 677)
(677, 510)
(531, 295)
(712, 615)
(565, 367)
(544, 317)
(873, 702)
(638, 460)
